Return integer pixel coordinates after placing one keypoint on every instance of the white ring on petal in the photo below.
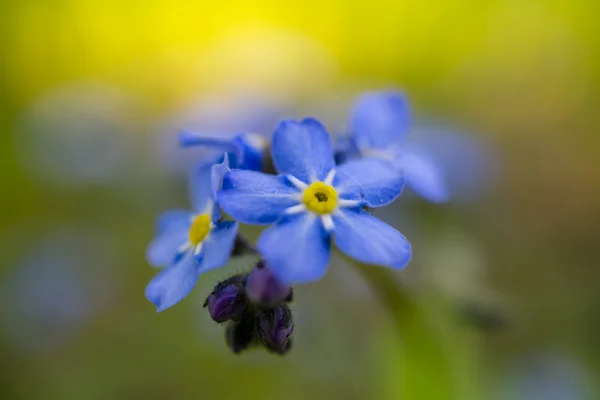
(327, 222)
(297, 182)
(329, 179)
(209, 207)
(256, 140)
(382, 154)
(198, 249)
(295, 209)
(343, 203)
(184, 247)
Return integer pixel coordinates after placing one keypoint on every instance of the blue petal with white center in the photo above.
(302, 149)
(380, 119)
(172, 228)
(256, 198)
(369, 240)
(173, 283)
(296, 248)
(374, 182)
(216, 249)
(424, 176)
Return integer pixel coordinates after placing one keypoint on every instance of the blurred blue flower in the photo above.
(245, 150)
(311, 201)
(50, 295)
(190, 243)
(470, 164)
(549, 376)
(379, 124)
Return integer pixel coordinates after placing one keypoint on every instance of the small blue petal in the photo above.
(217, 173)
(172, 284)
(374, 181)
(344, 149)
(379, 119)
(172, 230)
(296, 248)
(173, 221)
(187, 139)
(163, 250)
(256, 198)
(200, 187)
(216, 249)
(302, 149)
(370, 241)
(250, 149)
(424, 176)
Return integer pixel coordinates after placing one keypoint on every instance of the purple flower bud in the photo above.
(227, 301)
(264, 290)
(275, 329)
(240, 335)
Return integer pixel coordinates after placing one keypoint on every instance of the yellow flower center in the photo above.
(320, 197)
(199, 229)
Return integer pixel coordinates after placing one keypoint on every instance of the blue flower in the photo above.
(379, 124)
(190, 243)
(313, 201)
(245, 150)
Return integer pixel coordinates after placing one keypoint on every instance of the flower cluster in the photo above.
(320, 196)
(254, 307)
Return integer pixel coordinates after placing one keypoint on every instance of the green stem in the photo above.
(425, 365)
(401, 307)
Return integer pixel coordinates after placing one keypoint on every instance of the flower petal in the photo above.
(172, 284)
(200, 187)
(374, 181)
(379, 119)
(163, 250)
(369, 240)
(250, 149)
(424, 176)
(188, 139)
(172, 228)
(216, 249)
(344, 149)
(216, 175)
(173, 221)
(302, 149)
(296, 248)
(256, 198)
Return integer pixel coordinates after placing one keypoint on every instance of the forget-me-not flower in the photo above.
(190, 243)
(379, 124)
(312, 201)
(245, 150)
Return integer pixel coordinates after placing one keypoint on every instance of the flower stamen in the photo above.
(320, 198)
(199, 229)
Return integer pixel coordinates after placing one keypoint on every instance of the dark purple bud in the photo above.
(264, 290)
(241, 334)
(227, 301)
(275, 328)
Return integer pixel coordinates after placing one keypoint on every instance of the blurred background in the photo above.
(505, 275)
